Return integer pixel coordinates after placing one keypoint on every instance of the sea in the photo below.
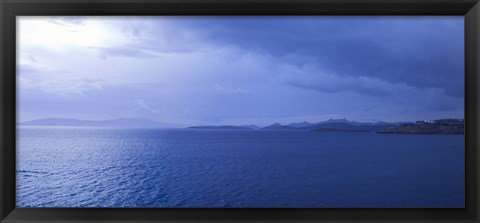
(106, 167)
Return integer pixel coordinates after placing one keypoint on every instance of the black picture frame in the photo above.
(9, 9)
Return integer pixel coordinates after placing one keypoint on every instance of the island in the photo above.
(441, 126)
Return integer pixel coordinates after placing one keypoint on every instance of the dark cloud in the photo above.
(422, 52)
(328, 83)
(253, 69)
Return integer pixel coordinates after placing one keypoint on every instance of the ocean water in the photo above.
(95, 167)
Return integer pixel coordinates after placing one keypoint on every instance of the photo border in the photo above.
(9, 9)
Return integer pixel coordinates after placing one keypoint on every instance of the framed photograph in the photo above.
(254, 111)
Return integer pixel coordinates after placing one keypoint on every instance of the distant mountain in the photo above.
(121, 122)
(59, 122)
(251, 126)
(301, 124)
(443, 126)
(278, 126)
(333, 125)
(220, 127)
(347, 127)
(341, 120)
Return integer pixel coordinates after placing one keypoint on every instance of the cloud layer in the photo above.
(233, 70)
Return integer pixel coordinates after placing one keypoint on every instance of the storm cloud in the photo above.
(233, 70)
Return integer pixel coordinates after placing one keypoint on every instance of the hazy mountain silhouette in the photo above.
(300, 124)
(278, 126)
(120, 122)
(347, 127)
(441, 126)
(251, 126)
(335, 125)
(219, 127)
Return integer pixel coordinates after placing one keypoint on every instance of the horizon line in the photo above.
(193, 125)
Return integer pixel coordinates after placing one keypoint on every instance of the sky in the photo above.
(231, 70)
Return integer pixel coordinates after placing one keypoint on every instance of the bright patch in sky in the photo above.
(241, 70)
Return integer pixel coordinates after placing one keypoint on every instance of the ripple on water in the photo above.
(165, 168)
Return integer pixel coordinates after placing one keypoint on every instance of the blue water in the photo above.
(88, 167)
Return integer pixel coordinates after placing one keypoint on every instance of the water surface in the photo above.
(101, 167)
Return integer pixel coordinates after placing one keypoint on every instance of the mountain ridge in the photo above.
(441, 126)
(119, 122)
